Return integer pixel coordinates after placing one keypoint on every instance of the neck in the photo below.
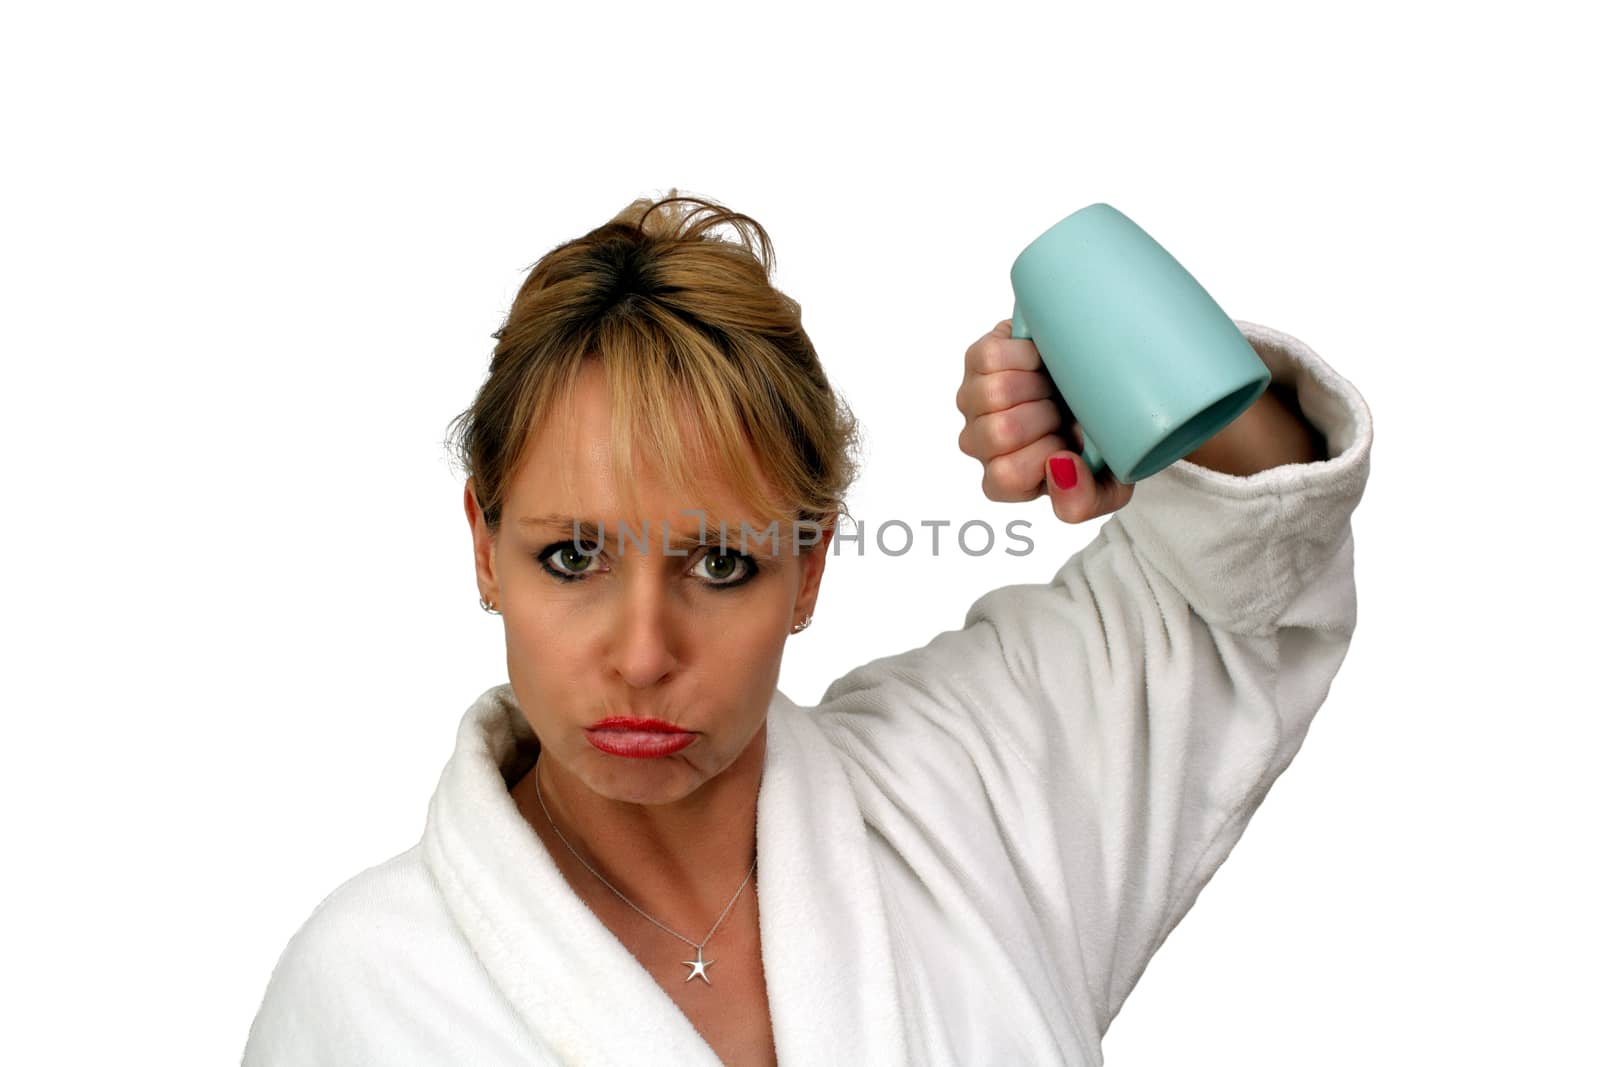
(681, 860)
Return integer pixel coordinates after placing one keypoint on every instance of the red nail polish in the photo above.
(1064, 472)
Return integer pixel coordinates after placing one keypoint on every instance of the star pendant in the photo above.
(699, 963)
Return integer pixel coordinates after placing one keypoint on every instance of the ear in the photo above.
(812, 562)
(483, 546)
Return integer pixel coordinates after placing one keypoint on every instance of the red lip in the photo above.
(623, 722)
(625, 735)
(640, 744)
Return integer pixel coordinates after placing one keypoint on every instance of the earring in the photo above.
(487, 605)
(803, 624)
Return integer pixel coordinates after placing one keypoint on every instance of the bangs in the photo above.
(681, 408)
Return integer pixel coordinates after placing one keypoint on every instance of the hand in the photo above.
(1014, 415)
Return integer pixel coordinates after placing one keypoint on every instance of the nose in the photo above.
(644, 636)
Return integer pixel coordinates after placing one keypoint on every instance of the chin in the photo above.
(644, 781)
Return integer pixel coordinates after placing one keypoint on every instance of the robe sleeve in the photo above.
(371, 978)
(1090, 749)
(296, 1024)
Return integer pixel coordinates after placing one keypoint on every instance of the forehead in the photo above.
(568, 468)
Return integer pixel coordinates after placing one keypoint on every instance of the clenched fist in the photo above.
(1014, 417)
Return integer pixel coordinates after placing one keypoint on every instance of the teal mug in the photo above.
(1149, 365)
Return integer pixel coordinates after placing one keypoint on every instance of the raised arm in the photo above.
(1095, 745)
(1272, 432)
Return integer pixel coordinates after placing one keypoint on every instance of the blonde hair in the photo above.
(704, 359)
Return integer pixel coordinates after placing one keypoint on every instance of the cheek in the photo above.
(545, 645)
(757, 649)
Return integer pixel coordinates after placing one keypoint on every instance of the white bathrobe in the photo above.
(968, 852)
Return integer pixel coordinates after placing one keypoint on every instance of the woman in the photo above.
(967, 852)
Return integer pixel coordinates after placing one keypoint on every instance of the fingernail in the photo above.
(1063, 471)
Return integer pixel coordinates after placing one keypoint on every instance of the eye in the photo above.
(721, 566)
(571, 562)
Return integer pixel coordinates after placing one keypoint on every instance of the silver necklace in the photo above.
(699, 964)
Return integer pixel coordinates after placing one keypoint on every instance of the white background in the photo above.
(252, 259)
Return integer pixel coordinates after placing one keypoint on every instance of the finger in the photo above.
(981, 394)
(1017, 476)
(1076, 495)
(1001, 432)
(998, 350)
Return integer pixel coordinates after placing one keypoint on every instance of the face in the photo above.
(694, 640)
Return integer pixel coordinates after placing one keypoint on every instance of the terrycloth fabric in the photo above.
(968, 851)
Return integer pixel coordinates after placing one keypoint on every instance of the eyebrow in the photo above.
(589, 531)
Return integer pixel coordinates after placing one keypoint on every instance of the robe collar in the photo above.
(825, 944)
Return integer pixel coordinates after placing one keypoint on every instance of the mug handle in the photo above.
(1091, 455)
